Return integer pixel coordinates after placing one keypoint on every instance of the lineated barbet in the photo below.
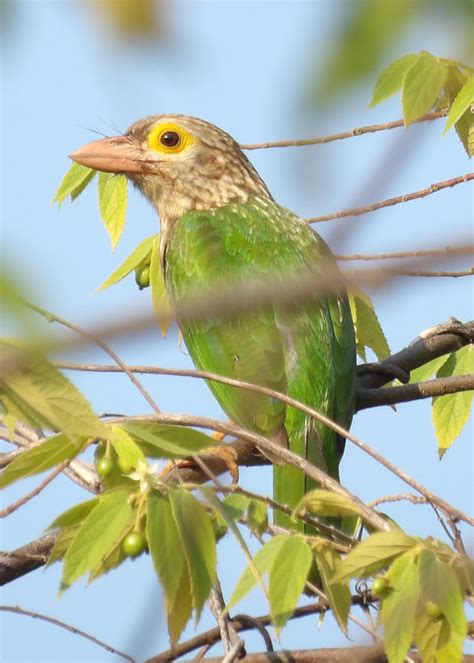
(220, 226)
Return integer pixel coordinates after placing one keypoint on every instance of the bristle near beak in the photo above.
(112, 155)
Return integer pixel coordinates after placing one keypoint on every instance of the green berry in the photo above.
(134, 544)
(433, 610)
(142, 276)
(125, 467)
(381, 587)
(104, 467)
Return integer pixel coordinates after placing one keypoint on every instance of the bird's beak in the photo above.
(112, 155)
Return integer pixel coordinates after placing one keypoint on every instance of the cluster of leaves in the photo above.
(450, 412)
(430, 83)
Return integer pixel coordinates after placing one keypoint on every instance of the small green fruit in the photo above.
(142, 276)
(104, 467)
(433, 610)
(134, 544)
(125, 468)
(381, 587)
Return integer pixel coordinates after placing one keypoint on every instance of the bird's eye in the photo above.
(170, 139)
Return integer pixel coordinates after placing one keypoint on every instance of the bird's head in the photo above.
(179, 163)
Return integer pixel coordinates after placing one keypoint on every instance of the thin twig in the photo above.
(72, 629)
(352, 133)
(409, 497)
(36, 491)
(454, 275)
(421, 253)
(422, 193)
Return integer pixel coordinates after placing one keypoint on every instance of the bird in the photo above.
(220, 228)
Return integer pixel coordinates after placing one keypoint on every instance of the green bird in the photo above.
(221, 227)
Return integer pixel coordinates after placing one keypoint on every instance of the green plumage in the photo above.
(308, 353)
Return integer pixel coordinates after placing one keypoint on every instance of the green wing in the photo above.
(307, 353)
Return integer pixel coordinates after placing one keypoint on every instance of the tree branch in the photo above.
(358, 211)
(29, 557)
(421, 253)
(352, 133)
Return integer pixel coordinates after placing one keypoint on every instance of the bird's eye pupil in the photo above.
(170, 139)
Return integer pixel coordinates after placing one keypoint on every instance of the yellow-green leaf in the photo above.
(199, 544)
(168, 441)
(138, 255)
(391, 79)
(462, 103)
(73, 183)
(97, 535)
(48, 454)
(338, 594)
(423, 84)
(128, 452)
(398, 609)
(180, 612)
(257, 516)
(322, 502)
(374, 554)
(159, 295)
(112, 190)
(60, 548)
(427, 370)
(465, 124)
(368, 331)
(75, 514)
(451, 412)
(287, 578)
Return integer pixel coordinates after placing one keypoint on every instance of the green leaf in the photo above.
(60, 548)
(165, 546)
(37, 459)
(168, 441)
(422, 86)
(199, 544)
(287, 578)
(430, 635)
(465, 124)
(368, 330)
(391, 79)
(461, 104)
(451, 412)
(236, 505)
(128, 452)
(97, 535)
(338, 593)
(73, 183)
(179, 613)
(321, 502)
(42, 389)
(139, 255)
(398, 608)
(159, 295)
(75, 514)
(257, 516)
(114, 557)
(113, 204)
(427, 370)
(438, 583)
(373, 554)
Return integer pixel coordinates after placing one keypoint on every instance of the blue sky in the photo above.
(244, 66)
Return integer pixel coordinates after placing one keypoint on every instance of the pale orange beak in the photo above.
(113, 155)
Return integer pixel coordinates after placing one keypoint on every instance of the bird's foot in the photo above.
(228, 455)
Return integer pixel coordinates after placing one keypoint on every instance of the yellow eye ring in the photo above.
(170, 138)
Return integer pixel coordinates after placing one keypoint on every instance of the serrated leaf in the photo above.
(75, 515)
(97, 535)
(338, 593)
(423, 84)
(427, 370)
(37, 459)
(199, 544)
(438, 583)
(73, 183)
(138, 255)
(128, 452)
(430, 635)
(263, 561)
(451, 412)
(368, 330)
(159, 295)
(257, 516)
(322, 502)
(112, 191)
(180, 612)
(462, 103)
(165, 546)
(64, 540)
(168, 441)
(373, 554)
(398, 608)
(465, 124)
(236, 505)
(392, 77)
(114, 557)
(287, 578)
(41, 388)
